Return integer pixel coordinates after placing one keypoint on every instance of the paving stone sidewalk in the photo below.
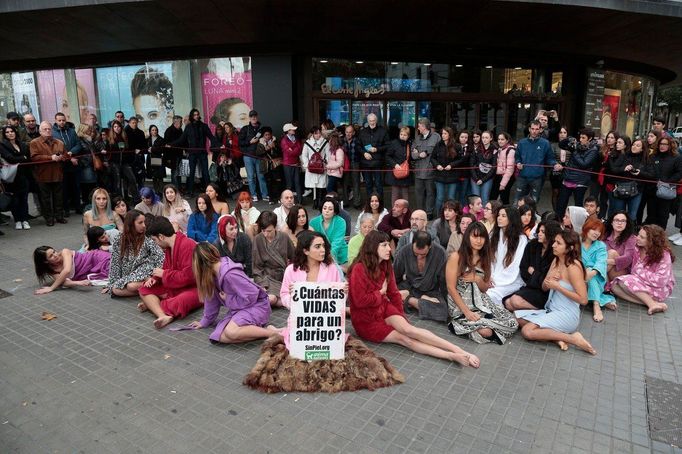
(100, 379)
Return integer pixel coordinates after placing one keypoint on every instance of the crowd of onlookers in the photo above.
(469, 251)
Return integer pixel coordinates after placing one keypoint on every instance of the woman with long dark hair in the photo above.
(665, 167)
(221, 282)
(562, 156)
(375, 207)
(331, 225)
(13, 151)
(508, 243)
(537, 258)
(446, 223)
(609, 157)
(621, 244)
(376, 308)
(219, 205)
(120, 161)
(558, 321)
(297, 222)
(483, 162)
(527, 213)
(133, 257)
(506, 167)
(68, 268)
(651, 280)
(155, 167)
(397, 153)
(335, 162)
(444, 159)
(203, 223)
(464, 147)
(634, 160)
(468, 275)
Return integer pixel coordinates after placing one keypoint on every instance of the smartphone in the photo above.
(258, 135)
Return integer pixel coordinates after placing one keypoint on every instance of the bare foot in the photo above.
(274, 330)
(274, 300)
(466, 360)
(562, 345)
(162, 321)
(611, 306)
(598, 315)
(141, 307)
(580, 342)
(658, 307)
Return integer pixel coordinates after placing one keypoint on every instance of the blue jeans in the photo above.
(628, 205)
(444, 191)
(462, 192)
(332, 181)
(483, 190)
(373, 183)
(252, 172)
(200, 158)
(526, 186)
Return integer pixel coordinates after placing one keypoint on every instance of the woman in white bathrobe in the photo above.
(507, 243)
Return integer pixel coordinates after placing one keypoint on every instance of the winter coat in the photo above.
(533, 153)
(291, 151)
(11, 155)
(484, 164)
(440, 157)
(314, 180)
(583, 157)
(194, 136)
(506, 164)
(426, 145)
(377, 138)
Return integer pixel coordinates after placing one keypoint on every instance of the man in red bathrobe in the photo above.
(171, 291)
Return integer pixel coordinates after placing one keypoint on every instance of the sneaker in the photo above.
(18, 226)
(254, 198)
(307, 192)
(266, 199)
(675, 237)
(25, 225)
(678, 242)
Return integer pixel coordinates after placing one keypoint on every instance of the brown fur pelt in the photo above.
(361, 369)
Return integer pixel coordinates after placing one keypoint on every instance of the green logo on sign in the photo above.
(317, 356)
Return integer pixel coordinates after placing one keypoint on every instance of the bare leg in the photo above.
(424, 336)
(611, 255)
(153, 304)
(404, 294)
(274, 300)
(131, 289)
(533, 332)
(597, 316)
(516, 303)
(234, 333)
(464, 359)
(624, 293)
(639, 298)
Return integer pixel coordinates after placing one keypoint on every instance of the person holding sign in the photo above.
(221, 282)
(377, 308)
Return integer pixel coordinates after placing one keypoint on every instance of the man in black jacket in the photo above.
(351, 180)
(137, 142)
(194, 137)
(374, 141)
(172, 156)
(249, 136)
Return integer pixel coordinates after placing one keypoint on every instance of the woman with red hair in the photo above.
(246, 214)
(234, 244)
(651, 279)
(594, 257)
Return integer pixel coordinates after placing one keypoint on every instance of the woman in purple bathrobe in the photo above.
(222, 282)
(68, 268)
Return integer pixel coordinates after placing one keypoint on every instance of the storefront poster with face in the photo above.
(85, 87)
(145, 91)
(226, 91)
(52, 94)
(25, 96)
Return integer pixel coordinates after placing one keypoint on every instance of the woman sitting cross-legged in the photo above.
(467, 274)
(234, 244)
(621, 242)
(537, 258)
(272, 252)
(221, 282)
(558, 321)
(652, 279)
(377, 309)
(68, 268)
(133, 257)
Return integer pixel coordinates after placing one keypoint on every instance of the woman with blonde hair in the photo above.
(221, 282)
(175, 208)
(101, 215)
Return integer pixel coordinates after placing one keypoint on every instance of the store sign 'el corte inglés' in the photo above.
(356, 90)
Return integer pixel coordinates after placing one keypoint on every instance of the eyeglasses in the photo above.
(487, 209)
(620, 221)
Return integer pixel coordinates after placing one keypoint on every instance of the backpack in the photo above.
(316, 163)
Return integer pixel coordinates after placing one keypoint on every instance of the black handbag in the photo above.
(5, 199)
(625, 190)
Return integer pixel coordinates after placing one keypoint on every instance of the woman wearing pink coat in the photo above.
(504, 178)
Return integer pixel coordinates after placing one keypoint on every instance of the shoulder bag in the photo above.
(666, 191)
(403, 170)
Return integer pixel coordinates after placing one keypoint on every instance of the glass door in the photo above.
(336, 110)
(360, 110)
(400, 113)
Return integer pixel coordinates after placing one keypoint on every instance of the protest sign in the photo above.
(317, 321)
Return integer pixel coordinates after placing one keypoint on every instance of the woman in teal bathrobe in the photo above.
(331, 225)
(594, 255)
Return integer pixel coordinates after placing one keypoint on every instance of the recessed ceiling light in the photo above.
(427, 64)
(488, 67)
(359, 62)
(518, 67)
(324, 61)
(458, 66)
(394, 62)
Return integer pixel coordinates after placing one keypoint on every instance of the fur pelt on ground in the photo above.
(275, 371)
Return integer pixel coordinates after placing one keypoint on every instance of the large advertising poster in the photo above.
(52, 94)
(85, 87)
(610, 107)
(25, 96)
(226, 90)
(145, 91)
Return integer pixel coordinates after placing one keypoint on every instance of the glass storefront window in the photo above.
(336, 110)
(23, 87)
(360, 110)
(518, 81)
